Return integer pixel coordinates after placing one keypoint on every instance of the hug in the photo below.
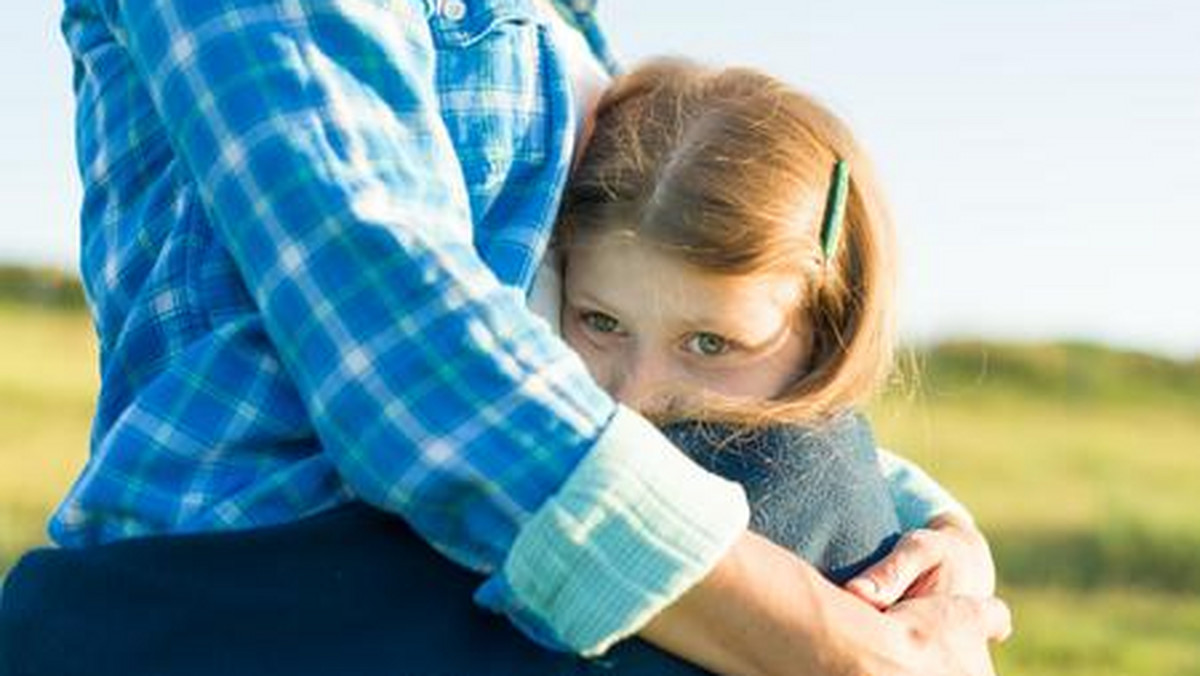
(429, 344)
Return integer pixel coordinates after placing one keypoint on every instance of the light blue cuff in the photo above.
(633, 528)
(917, 496)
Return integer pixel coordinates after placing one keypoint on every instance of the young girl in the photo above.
(726, 256)
(726, 268)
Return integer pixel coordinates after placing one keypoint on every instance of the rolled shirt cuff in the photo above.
(635, 526)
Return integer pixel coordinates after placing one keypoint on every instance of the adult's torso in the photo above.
(169, 304)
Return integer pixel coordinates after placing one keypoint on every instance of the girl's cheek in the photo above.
(601, 368)
(748, 381)
(572, 333)
(592, 357)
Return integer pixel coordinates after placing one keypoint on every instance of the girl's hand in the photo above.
(948, 556)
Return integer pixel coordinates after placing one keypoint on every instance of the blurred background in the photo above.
(1042, 162)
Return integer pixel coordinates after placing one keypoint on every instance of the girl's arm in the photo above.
(919, 499)
(941, 552)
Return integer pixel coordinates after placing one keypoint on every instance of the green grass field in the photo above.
(1088, 486)
(1082, 464)
(48, 386)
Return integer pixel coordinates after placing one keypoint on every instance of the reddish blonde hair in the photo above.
(730, 170)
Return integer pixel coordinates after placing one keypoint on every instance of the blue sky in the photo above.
(1042, 158)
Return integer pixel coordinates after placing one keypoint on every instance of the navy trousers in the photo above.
(355, 591)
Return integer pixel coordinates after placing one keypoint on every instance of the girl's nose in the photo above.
(638, 380)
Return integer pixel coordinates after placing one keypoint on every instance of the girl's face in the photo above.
(655, 330)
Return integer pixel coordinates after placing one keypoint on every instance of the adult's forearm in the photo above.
(763, 611)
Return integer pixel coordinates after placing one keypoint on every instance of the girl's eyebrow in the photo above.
(707, 324)
(584, 298)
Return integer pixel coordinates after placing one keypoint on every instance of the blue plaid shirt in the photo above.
(307, 231)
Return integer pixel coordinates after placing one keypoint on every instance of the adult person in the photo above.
(306, 231)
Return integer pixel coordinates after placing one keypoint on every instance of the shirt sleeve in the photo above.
(312, 133)
(917, 496)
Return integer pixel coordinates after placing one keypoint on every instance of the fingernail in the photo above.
(866, 586)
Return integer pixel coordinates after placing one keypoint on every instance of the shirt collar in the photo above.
(581, 15)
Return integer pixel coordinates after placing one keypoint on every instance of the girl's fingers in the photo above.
(886, 582)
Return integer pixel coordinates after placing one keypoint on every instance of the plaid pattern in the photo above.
(307, 228)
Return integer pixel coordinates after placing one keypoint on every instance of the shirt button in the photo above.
(454, 10)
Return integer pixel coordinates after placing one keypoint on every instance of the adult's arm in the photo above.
(312, 132)
(805, 625)
(801, 624)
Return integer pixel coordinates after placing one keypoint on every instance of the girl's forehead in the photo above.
(631, 276)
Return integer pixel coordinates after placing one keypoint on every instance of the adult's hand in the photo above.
(764, 612)
(945, 631)
(948, 556)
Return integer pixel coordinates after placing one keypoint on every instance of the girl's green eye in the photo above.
(600, 322)
(708, 344)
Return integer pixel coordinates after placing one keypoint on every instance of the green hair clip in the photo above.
(835, 209)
